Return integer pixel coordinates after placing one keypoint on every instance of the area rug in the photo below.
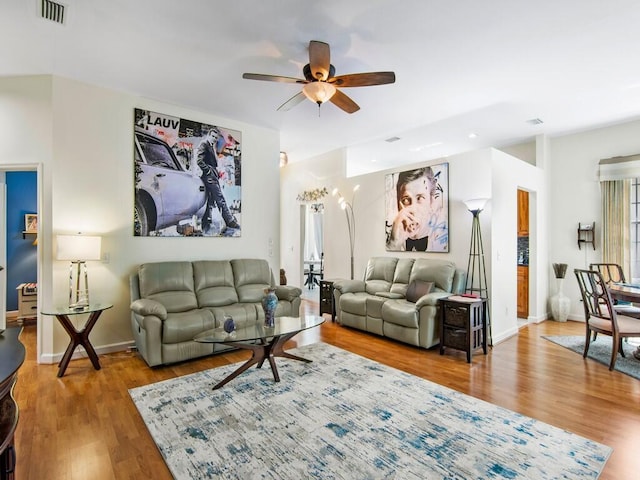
(347, 417)
(600, 351)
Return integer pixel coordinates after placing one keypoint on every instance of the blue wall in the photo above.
(22, 262)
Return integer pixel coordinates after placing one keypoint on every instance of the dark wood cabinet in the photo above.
(523, 291)
(11, 357)
(523, 213)
(463, 324)
(326, 299)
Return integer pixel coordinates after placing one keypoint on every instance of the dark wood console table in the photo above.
(11, 358)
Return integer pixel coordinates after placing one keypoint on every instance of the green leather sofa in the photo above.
(378, 304)
(172, 302)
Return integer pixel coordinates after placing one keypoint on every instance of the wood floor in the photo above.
(85, 426)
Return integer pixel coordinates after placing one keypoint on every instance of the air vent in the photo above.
(52, 11)
(392, 139)
(535, 121)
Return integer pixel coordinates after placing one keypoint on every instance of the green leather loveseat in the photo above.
(379, 303)
(172, 302)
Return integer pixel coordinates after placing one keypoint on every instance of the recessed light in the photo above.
(473, 135)
(535, 121)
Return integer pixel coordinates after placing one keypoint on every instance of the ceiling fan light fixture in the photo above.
(319, 92)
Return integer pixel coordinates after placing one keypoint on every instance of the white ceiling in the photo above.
(462, 66)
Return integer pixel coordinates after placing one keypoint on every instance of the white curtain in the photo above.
(313, 234)
(616, 223)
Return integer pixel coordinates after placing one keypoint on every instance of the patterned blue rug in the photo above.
(347, 417)
(600, 351)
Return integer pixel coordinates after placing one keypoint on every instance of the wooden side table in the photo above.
(326, 299)
(78, 337)
(463, 324)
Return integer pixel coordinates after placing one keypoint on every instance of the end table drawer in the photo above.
(457, 315)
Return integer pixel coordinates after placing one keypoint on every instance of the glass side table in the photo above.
(78, 337)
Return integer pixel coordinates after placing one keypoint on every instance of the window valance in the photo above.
(619, 168)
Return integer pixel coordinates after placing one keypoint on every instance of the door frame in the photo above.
(23, 167)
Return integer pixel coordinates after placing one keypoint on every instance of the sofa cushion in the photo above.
(170, 283)
(355, 303)
(214, 285)
(417, 289)
(440, 272)
(251, 277)
(183, 326)
(379, 274)
(400, 312)
(374, 306)
(242, 313)
(402, 275)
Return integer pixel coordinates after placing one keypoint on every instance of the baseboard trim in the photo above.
(80, 352)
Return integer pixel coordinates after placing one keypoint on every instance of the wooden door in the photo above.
(523, 292)
(523, 213)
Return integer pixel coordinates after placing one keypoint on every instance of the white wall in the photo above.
(26, 141)
(484, 173)
(508, 175)
(82, 136)
(575, 197)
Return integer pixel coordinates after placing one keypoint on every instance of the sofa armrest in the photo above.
(288, 292)
(349, 286)
(145, 307)
(431, 299)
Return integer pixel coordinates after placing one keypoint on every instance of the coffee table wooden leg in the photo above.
(260, 353)
(257, 357)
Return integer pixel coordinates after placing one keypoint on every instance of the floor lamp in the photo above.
(351, 219)
(78, 249)
(476, 283)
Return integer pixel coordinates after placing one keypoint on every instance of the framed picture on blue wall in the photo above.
(31, 223)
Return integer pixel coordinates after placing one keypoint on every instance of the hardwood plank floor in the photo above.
(85, 425)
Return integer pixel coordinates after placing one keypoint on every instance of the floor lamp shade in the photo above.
(78, 249)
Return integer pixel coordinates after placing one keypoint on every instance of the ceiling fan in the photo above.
(320, 82)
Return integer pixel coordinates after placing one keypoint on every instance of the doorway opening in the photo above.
(19, 246)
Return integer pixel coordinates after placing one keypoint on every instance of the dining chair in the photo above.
(600, 314)
(319, 274)
(613, 273)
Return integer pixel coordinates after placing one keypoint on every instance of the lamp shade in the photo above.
(78, 247)
(319, 92)
(476, 205)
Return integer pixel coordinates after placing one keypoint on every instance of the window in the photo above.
(634, 234)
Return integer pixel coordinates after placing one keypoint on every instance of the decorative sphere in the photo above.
(229, 325)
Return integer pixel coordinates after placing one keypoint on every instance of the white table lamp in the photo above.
(78, 249)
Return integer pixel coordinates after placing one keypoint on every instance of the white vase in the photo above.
(560, 304)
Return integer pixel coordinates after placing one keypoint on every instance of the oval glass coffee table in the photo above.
(265, 342)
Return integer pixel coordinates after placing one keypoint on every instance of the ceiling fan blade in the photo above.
(292, 102)
(319, 59)
(272, 78)
(342, 101)
(363, 79)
